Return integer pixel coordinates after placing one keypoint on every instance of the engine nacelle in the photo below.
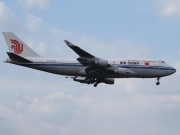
(81, 79)
(121, 71)
(109, 81)
(101, 63)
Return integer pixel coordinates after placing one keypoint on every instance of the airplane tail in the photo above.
(17, 46)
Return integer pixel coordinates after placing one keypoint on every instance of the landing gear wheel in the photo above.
(95, 85)
(157, 83)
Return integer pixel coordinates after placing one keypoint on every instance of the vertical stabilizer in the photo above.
(17, 46)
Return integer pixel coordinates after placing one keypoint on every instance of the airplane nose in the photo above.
(173, 71)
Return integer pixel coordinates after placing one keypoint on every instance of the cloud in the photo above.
(39, 46)
(120, 47)
(64, 130)
(129, 86)
(41, 107)
(46, 104)
(8, 20)
(33, 22)
(56, 95)
(170, 7)
(41, 4)
(152, 128)
(61, 32)
(4, 11)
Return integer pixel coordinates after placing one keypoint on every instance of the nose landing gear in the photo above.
(157, 83)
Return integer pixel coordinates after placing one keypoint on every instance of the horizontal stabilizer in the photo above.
(17, 58)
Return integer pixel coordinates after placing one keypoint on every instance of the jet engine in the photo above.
(101, 63)
(109, 81)
(81, 79)
(122, 71)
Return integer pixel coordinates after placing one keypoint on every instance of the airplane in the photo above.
(87, 68)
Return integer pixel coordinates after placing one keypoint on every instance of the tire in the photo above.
(157, 83)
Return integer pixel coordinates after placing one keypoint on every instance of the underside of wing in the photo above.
(92, 81)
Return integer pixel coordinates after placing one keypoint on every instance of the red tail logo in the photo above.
(16, 46)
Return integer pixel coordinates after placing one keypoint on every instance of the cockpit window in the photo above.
(163, 62)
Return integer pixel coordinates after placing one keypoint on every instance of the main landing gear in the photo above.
(157, 83)
(93, 81)
(96, 83)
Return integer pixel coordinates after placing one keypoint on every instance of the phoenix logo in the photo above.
(16, 46)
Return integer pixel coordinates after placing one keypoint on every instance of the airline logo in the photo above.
(147, 63)
(16, 46)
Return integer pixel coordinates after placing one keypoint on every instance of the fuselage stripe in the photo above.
(78, 64)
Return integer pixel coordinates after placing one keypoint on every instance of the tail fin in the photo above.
(17, 46)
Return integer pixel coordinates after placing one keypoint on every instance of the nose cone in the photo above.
(173, 70)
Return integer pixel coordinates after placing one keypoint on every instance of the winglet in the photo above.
(68, 43)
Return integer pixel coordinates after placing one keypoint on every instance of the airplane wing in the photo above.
(92, 63)
(78, 50)
(85, 57)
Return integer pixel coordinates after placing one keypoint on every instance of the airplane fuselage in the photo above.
(138, 68)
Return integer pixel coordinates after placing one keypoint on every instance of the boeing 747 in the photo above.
(87, 68)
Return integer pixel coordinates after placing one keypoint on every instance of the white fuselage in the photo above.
(140, 68)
